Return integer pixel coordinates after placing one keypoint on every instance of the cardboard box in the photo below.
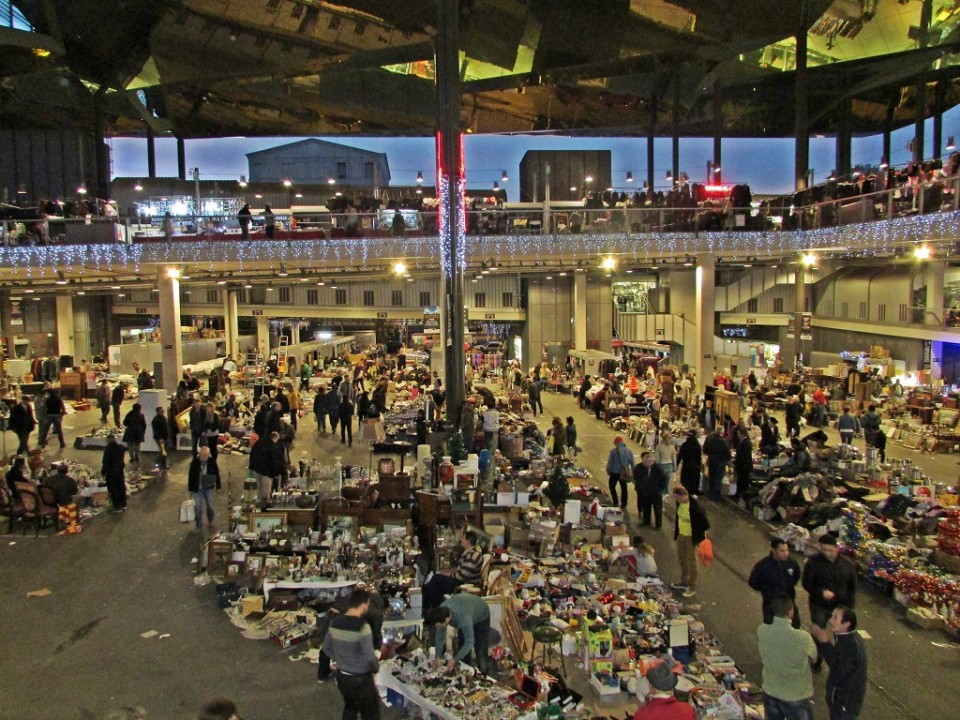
(604, 689)
(518, 536)
(99, 497)
(611, 531)
(496, 530)
(506, 498)
(924, 618)
(250, 604)
(523, 498)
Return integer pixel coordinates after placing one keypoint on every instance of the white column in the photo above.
(65, 344)
(231, 332)
(580, 311)
(294, 332)
(703, 360)
(933, 279)
(263, 335)
(171, 346)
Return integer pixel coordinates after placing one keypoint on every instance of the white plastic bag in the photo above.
(187, 511)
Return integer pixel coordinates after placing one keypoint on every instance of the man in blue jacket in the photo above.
(470, 616)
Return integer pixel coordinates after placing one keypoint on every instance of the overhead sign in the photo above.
(141, 311)
(257, 313)
(489, 316)
(381, 315)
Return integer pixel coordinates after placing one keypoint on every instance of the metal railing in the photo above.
(942, 195)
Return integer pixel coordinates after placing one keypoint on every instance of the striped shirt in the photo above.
(349, 643)
(471, 562)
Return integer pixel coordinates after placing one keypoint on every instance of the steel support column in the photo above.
(920, 102)
(450, 187)
(181, 159)
(151, 153)
(843, 139)
(675, 165)
(651, 133)
(939, 92)
(800, 104)
(717, 137)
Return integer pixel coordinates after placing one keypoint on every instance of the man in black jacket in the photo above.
(161, 435)
(116, 400)
(111, 468)
(689, 530)
(22, 423)
(651, 483)
(264, 467)
(743, 462)
(53, 415)
(203, 478)
(776, 575)
(831, 581)
(690, 462)
(846, 655)
(718, 455)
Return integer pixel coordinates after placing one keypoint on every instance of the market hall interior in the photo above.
(843, 292)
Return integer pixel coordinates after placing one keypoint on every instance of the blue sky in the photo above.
(765, 164)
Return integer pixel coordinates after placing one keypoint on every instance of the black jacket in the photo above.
(699, 523)
(771, 578)
(839, 577)
(260, 421)
(262, 458)
(193, 474)
(716, 449)
(111, 466)
(744, 458)
(136, 427)
(847, 681)
(116, 396)
(649, 481)
(161, 428)
(21, 419)
(689, 458)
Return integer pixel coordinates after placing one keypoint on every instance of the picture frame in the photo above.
(254, 563)
(219, 556)
(233, 569)
(267, 521)
(270, 561)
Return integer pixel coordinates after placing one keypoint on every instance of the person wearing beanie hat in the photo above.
(620, 464)
(830, 580)
(661, 704)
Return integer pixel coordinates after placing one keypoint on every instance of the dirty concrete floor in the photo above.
(77, 653)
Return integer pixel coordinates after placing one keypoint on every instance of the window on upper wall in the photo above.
(508, 300)
(368, 171)
(903, 313)
(480, 300)
(341, 171)
(396, 298)
(863, 310)
(882, 312)
(844, 310)
(340, 296)
(242, 296)
(213, 295)
(752, 305)
(425, 298)
(284, 295)
(313, 297)
(778, 305)
(368, 299)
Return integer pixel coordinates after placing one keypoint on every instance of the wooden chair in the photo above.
(13, 509)
(48, 498)
(33, 509)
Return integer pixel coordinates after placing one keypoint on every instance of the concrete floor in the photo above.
(77, 653)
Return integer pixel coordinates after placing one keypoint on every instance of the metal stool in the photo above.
(547, 637)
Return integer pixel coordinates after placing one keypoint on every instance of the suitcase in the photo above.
(187, 511)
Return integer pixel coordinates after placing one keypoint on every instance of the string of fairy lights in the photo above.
(512, 252)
